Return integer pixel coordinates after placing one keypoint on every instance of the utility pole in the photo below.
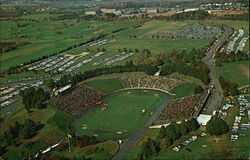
(68, 140)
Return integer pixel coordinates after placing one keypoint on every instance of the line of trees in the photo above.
(241, 17)
(9, 46)
(129, 67)
(229, 88)
(19, 131)
(193, 15)
(34, 98)
(167, 135)
(225, 58)
(185, 69)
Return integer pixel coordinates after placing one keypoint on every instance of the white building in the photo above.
(90, 12)
(202, 119)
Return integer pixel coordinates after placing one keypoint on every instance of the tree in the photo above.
(192, 125)
(168, 142)
(49, 83)
(162, 132)
(216, 126)
(28, 129)
(170, 132)
(33, 98)
(198, 89)
(183, 129)
(150, 148)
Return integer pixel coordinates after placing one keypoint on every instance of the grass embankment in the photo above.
(100, 151)
(106, 85)
(237, 72)
(183, 90)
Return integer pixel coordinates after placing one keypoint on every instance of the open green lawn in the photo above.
(237, 72)
(154, 26)
(106, 85)
(50, 37)
(155, 45)
(100, 151)
(124, 113)
(187, 78)
(183, 90)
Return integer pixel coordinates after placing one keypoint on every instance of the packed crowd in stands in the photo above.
(166, 84)
(180, 109)
(78, 100)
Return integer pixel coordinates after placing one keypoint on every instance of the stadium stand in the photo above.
(179, 109)
(77, 101)
(163, 83)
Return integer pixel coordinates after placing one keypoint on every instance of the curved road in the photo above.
(217, 93)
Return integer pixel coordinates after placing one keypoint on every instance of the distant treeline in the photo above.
(194, 15)
(240, 17)
(128, 67)
(9, 46)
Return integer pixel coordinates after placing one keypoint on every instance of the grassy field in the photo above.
(50, 37)
(106, 85)
(154, 26)
(183, 90)
(100, 151)
(124, 113)
(237, 72)
(187, 78)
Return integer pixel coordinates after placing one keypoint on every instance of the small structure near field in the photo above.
(202, 119)
(63, 89)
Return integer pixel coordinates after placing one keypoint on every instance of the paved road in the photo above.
(216, 97)
(135, 136)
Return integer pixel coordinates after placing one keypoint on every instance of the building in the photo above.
(90, 12)
(202, 119)
(149, 10)
(110, 11)
(63, 89)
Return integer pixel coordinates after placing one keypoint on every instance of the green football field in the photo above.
(123, 114)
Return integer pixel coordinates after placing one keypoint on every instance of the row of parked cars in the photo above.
(230, 47)
(8, 94)
(243, 111)
(184, 143)
(99, 42)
